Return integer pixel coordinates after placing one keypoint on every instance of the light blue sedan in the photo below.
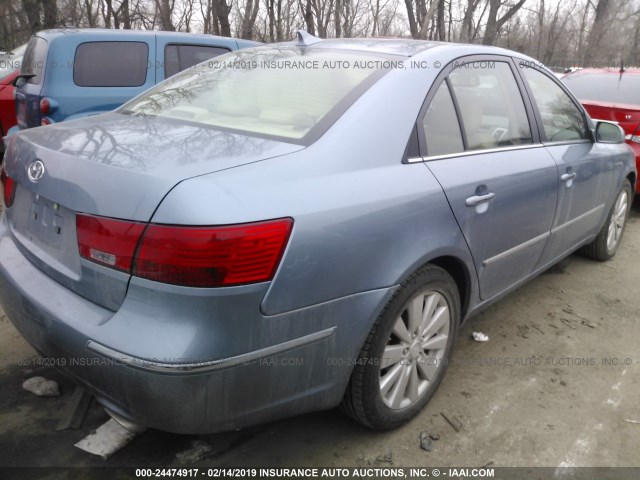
(299, 226)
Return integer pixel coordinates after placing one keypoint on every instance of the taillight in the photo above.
(212, 256)
(45, 106)
(8, 188)
(108, 241)
(189, 256)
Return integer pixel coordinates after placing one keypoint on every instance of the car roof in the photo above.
(106, 32)
(401, 46)
(392, 46)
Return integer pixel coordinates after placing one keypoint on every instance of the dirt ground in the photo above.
(557, 384)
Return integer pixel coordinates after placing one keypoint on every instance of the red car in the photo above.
(9, 70)
(611, 94)
(7, 103)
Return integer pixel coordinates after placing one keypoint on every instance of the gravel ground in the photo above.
(555, 385)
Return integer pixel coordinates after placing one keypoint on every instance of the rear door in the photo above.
(585, 170)
(480, 141)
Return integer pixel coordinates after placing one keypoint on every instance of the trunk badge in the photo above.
(35, 171)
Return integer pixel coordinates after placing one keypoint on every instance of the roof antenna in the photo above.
(306, 39)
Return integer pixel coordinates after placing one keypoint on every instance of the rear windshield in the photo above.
(111, 64)
(34, 59)
(605, 87)
(268, 91)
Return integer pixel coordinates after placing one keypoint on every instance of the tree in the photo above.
(495, 23)
(164, 9)
(419, 16)
(603, 10)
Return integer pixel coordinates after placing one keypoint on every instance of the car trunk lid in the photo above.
(115, 166)
(627, 116)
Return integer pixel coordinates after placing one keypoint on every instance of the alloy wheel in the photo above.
(415, 349)
(618, 219)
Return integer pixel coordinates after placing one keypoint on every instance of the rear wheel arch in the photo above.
(461, 276)
(452, 265)
(360, 399)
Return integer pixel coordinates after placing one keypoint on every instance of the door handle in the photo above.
(476, 200)
(568, 176)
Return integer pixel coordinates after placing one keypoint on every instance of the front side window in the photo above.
(111, 64)
(491, 107)
(181, 57)
(268, 92)
(562, 120)
(440, 124)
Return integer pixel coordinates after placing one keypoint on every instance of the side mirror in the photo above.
(607, 132)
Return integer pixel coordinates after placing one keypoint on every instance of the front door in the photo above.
(585, 171)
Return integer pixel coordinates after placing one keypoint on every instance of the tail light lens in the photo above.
(108, 241)
(8, 188)
(188, 256)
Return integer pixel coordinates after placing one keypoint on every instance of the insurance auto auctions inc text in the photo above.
(374, 472)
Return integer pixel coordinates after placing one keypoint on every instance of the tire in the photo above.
(420, 369)
(606, 244)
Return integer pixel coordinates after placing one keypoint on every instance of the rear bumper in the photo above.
(218, 365)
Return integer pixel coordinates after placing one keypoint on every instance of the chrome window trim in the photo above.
(474, 152)
(567, 142)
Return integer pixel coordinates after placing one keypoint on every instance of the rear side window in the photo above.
(111, 64)
(440, 124)
(181, 57)
(491, 106)
(34, 59)
(562, 120)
